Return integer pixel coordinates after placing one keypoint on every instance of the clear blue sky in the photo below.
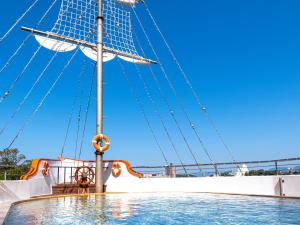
(241, 56)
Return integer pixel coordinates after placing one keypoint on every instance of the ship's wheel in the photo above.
(84, 175)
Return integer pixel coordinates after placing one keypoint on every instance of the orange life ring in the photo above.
(116, 169)
(45, 168)
(97, 139)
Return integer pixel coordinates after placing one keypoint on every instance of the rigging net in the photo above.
(77, 18)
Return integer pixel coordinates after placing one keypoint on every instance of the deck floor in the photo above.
(62, 189)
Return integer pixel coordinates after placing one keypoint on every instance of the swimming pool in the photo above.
(156, 209)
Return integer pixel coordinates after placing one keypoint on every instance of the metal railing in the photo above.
(289, 166)
(248, 168)
(65, 174)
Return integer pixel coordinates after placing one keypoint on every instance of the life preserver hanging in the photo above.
(116, 169)
(98, 138)
(45, 168)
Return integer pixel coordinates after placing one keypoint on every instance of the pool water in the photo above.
(156, 209)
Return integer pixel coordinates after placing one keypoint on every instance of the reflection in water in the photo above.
(99, 208)
(121, 208)
(156, 209)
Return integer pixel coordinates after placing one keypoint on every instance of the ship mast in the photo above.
(58, 40)
(99, 99)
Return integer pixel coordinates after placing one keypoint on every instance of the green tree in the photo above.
(13, 164)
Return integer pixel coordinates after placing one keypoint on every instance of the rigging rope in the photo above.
(7, 63)
(17, 21)
(68, 128)
(138, 101)
(174, 93)
(188, 82)
(12, 85)
(87, 111)
(156, 110)
(146, 89)
(28, 93)
(73, 105)
(78, 123)
(29, 119)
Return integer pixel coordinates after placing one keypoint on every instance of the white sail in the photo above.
(92, 54)
(136, 61)
(55, 45)
(128, 2)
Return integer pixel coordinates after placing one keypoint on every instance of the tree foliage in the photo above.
(13, 164)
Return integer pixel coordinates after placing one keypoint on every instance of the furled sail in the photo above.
(55, 45)
(92, 54)
(132, 60)
(127, 2)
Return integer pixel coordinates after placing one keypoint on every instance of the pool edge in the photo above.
(36, 198)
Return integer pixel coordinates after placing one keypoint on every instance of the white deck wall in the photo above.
(252, 185)
(38, 184)
(16, 190)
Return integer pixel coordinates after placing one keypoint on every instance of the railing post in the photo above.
(276, 167)
(64, 175)
(58, 174)
(71, 175)
(166, 168)
(216, 169)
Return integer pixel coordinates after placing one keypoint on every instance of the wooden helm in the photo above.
(84, 175)
(45, 168)
(98, 139)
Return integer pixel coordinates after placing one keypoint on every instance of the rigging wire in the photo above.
(24, 69)
(12, 85)
(80, 102)
(18, 20)
(189, 84)
(138, 101)
(176, 96)
(146, 90)
(87, 111)
(79, 116)
(68, 128)
(78, 123)
(29, 119)
(73, 106)
(28, 93)
(11, 58)
(140, 105)
(156, 110)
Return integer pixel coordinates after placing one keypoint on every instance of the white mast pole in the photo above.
(99, 103)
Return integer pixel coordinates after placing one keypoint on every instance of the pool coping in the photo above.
(42, 197)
